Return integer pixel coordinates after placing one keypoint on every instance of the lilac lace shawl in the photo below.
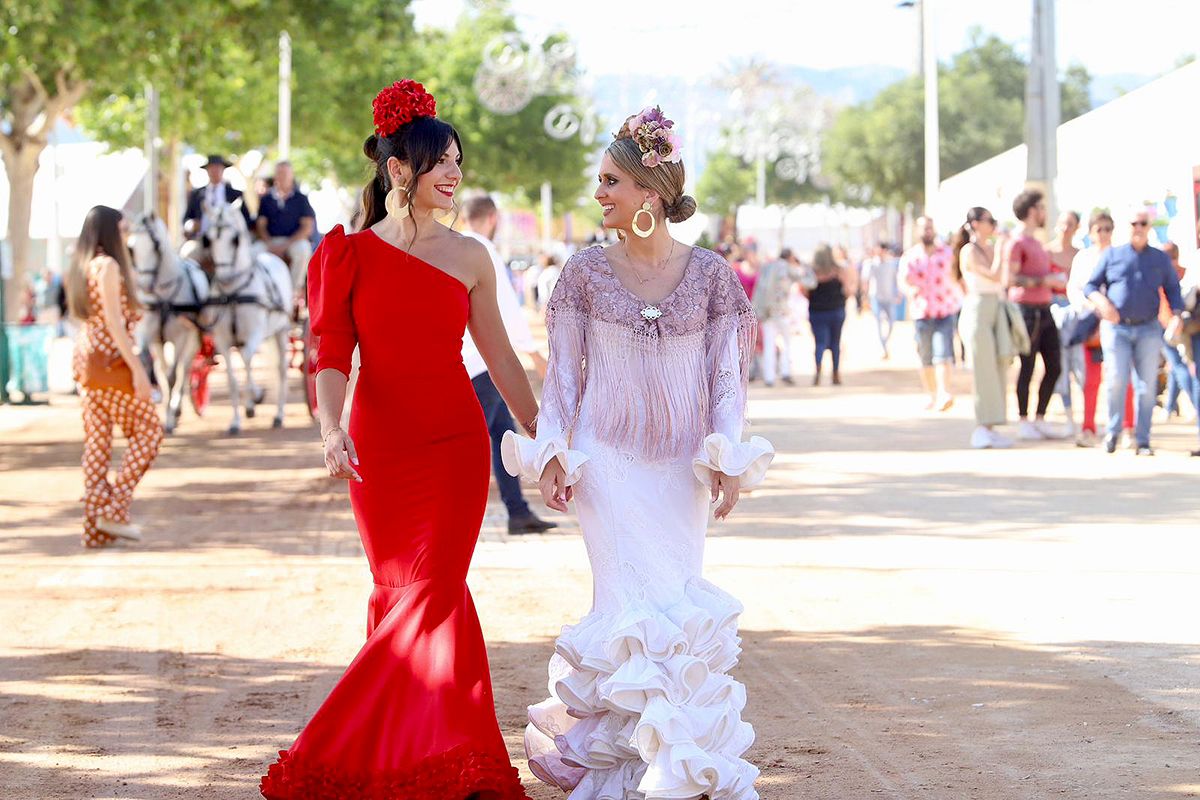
(653, 387)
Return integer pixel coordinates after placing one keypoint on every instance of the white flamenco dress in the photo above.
(641, 404)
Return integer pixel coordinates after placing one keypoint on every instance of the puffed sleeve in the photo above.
(729, 350)
(566, 330)
(330, 287)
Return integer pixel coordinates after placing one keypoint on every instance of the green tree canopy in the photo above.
(875, 152)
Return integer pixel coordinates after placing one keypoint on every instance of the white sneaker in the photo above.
(981, 438)
(1000, 441)
(1069, 430)
(122, 530)
(1047, 430)
(1029, 432)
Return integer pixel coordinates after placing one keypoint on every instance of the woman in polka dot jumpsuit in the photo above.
(101, 292)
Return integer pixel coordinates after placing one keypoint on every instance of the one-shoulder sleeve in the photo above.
(330, 286)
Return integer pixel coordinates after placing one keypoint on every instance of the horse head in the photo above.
(227, 240)
(149, 246)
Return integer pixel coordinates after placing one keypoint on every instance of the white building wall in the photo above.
(1133, 150)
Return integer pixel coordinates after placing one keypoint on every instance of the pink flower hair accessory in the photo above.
(401, 103)
(654, 135)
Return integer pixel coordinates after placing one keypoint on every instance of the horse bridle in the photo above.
(158, 262)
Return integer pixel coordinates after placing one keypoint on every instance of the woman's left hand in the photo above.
(728, 485)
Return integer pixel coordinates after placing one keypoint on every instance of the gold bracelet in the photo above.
(325, 438)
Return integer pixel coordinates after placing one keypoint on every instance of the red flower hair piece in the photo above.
(401, 103)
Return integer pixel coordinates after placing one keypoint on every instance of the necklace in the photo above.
(657, 267)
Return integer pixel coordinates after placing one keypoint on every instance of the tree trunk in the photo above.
(173, 187)
(21, 166)
(32, 112)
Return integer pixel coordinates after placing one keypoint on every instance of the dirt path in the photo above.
(922, 621)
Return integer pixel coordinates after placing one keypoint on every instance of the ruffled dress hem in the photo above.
(642, 707)
(453, 775)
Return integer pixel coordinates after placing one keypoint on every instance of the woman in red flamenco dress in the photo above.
(413, 716)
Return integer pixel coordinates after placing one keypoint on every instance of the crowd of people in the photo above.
(987, 297)
(1105, 313)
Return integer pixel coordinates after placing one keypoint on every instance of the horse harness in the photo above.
(159, 295)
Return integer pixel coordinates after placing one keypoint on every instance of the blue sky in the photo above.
(697, 38)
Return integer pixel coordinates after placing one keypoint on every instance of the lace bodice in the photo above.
(652, 378)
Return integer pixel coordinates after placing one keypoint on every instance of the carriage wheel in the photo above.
(202, 364)
(309, 364)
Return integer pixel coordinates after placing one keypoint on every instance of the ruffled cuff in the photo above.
(527, 458)
(745, 460)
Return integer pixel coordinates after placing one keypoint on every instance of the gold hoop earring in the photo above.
(395, 209)
(644, 232)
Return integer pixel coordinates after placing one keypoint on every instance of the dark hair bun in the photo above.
(371, 147)
(681, 209)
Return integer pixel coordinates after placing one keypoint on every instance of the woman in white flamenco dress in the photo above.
(641, 425)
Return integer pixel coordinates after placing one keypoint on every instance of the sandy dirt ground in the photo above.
(922, 620)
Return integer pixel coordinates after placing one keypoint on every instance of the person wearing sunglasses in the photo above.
(1100, 232)
(1124, 288)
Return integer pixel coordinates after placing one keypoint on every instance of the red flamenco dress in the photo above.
(413, 716)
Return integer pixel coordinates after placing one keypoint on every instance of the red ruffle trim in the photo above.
(453, 775)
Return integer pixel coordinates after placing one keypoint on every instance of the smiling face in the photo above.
(619, 196)
(435, 188)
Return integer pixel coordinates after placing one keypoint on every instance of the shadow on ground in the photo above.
(897, 712)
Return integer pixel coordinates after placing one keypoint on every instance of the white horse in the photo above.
(174, 291)
(251, 302)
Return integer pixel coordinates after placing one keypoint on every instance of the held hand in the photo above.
(731, 487)
(340, 455)
(141, 384)
(553, 485)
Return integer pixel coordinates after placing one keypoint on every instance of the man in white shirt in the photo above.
(482, 218)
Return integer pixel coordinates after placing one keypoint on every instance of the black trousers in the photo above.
(1043, 338)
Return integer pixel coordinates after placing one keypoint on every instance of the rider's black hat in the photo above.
(217, 160)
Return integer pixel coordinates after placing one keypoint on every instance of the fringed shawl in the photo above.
(653, 387)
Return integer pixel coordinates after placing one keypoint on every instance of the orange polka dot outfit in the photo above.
(102, 410)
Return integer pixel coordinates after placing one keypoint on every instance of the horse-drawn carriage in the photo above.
(247, 299)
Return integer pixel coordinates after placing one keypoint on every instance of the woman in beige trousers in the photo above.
(978, 266)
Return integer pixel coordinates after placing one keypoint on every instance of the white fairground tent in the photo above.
(73, 175)
(1142, 148)
(804, 227)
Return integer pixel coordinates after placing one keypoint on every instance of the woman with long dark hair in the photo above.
(413, 716)
(114, 386)
(977, 268)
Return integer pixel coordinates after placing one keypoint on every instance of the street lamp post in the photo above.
(932, 145)
(1043, 106)
(285, 95)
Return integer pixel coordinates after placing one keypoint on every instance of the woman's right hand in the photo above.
(553, 486)
(340, 455)
(141, 383)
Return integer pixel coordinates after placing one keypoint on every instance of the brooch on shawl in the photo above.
(651, 313)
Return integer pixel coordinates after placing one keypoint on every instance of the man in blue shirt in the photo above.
(1125, 288)
(285, 223)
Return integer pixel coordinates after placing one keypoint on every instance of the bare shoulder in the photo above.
(471, 253)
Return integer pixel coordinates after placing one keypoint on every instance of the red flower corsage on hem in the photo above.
(401, 103)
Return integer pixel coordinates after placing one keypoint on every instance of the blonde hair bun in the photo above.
(681, 209)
